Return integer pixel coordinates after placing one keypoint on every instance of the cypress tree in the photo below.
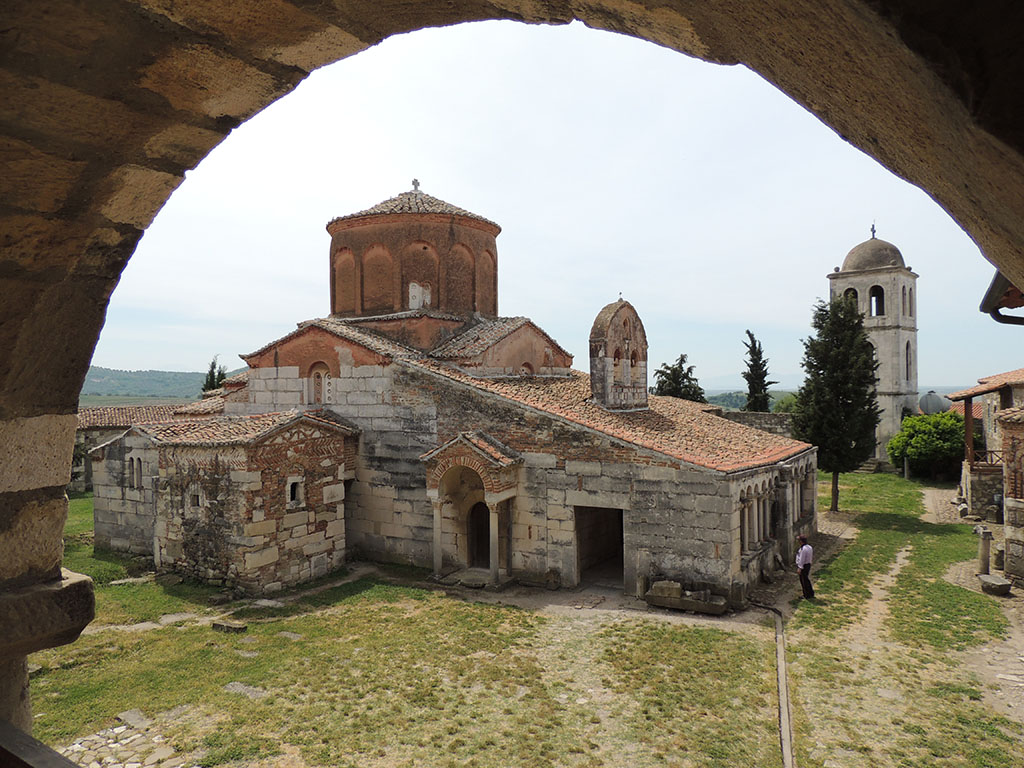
(214, 376)
(756, 375)
(836, 407)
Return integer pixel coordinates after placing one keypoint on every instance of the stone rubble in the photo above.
(133, 744)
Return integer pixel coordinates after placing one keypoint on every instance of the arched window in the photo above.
(419, 295)
(876, 299)
(131, 473)
(617, 357)
(321, 385)
(138, 473)
(905, 300)
(911, 302)
(908, 361)
(525, 369)
(851, 293)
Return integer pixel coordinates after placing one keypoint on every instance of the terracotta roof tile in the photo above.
(344, 329)
(479, 338)
(990, 384)
(677, 428)
(492, 448)
(123, 416)
(413, 202)
(977, 409)
(1013, 415)
(206, 406)
(235, 430)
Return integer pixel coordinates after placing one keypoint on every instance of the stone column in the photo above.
(751, 525)
(494, 543)
(438, 554)
(744, 528)
(984, 546)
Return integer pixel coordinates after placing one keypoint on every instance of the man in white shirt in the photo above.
(804, 558)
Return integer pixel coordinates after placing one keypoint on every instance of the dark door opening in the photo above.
(479, 535)
(599, 543)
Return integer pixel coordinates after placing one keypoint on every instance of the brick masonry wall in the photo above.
(124, 512)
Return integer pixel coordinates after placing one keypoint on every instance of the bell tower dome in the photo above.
(618, 358)
(885, 291)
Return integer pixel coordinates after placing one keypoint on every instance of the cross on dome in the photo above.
(415, 185)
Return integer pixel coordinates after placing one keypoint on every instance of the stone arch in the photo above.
(486, 285)
(343, 289)
(378, 270)
(179, 78)
(876, 301)
(419, 275)
(851, 293)
(321, 384)
(460, 280)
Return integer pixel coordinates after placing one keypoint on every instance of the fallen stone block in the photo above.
(666, 588)
(994, 585)
(226, 625)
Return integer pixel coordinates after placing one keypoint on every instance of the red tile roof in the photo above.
(479, 338)
(123, 416)
(990, 384)
(977, 409)
(413, 202)
(493, 449)
(206, 406)
(236, 430)
(677, 428)
(1014, 415)
(341, 328)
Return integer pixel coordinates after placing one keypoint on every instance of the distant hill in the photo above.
(173, 384)
(734, 401)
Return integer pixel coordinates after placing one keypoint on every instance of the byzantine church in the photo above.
(414, 424)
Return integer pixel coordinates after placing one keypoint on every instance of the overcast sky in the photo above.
(709, 199)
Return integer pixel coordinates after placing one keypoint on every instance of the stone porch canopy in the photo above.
(491, 459)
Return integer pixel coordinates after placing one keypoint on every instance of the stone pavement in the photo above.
(133, 743)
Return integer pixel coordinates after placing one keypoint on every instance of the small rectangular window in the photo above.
(195, 499)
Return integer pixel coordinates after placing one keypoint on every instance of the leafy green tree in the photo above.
(214, 376)
(677, 380)
(836, 406)
(785, 404)
(932, 444)
(756, 375)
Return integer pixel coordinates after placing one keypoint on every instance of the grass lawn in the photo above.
(876, 670)
(371, 673)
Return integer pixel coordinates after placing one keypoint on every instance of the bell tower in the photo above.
(885, 289)
(618, 358)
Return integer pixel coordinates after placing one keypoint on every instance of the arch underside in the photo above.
(106, 105)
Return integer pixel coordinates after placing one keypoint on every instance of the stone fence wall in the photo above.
(776, 423)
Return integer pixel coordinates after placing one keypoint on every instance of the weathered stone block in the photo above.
(294, 518)
(264, 528)
(260, 558)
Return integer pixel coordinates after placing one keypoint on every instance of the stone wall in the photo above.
(982, 489)
(85, 441)
(1013, 528)
(124, 510)
(229, 516)
(776, 423)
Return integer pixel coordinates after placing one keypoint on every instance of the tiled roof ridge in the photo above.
(231, 429)
(330, 324)
(482, 442)
(413, 201)
(90, 417)
(404, 314)
(991, 383)
(485, 386)
(471, 336)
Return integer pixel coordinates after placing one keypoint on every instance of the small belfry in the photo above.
(618, 358)
(875, 276)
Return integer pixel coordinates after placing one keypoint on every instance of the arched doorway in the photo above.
(478, 536)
